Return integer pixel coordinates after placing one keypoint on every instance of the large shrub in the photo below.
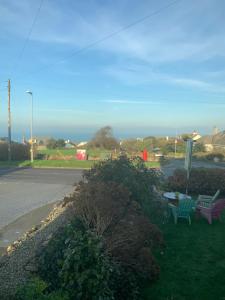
(202, 181)
(108, 209)
(18, 151)
(85, 270)
(52, 254)
(101, 205)
(74, 261)
(37, 289)
(131, 173)
(107, 251)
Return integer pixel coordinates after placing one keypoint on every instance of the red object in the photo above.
(145, 155)
(81, 155)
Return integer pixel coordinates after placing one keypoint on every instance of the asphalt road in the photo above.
(173, 164)
(22, 190)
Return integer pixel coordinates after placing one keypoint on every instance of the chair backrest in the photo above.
(218, 205)
(215, 196)
(185, 206)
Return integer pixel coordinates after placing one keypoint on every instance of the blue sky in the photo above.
(162, 74)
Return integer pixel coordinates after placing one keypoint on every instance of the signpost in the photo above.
(188, 160)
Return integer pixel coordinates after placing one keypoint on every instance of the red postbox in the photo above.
(145, 155)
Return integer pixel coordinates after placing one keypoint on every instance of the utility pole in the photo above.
(9, 121)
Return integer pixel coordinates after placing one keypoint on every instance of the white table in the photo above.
(172, 196)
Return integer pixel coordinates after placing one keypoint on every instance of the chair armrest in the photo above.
(204, 204)
(205, 197)
(173, 209)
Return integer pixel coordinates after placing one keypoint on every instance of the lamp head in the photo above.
(29, 92)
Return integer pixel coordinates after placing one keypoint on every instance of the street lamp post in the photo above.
(31, 128)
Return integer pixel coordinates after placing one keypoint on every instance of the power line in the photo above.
(29, 34)
(108, 36)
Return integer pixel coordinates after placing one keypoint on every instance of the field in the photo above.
(192, 264)
(65, 158)
(65, 152)
(79, 164)
(57, 151)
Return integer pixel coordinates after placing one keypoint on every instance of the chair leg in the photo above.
(209, 218)
(175, 219)
(189, 220)
(197, 214)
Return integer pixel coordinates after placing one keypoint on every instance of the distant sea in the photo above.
(79, 135)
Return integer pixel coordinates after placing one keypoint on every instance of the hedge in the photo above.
(18, 151)
(202, 181)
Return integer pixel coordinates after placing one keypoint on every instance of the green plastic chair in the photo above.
(183, 210)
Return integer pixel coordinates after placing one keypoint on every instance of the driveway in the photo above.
(23, 190)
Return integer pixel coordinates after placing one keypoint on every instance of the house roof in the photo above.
(216, 139)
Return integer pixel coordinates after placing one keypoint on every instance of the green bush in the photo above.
(202, 181)
(18, 151)
(74, 261)
(85, 271)
(101, 205)
(198, 147)
(107, 251)
(36, 289)
(212, 156)
(107, 209)
(52, 255)
(131, 173)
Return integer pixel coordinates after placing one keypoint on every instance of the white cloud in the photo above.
(176, 34)
(120, 101)
(142, 75)
(69, 111)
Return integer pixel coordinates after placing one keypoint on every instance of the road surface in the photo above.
(25, 189)
(173, 164)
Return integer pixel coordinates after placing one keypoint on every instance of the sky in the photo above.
(142, 67)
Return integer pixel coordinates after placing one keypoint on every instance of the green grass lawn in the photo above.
(50, 164)
(192, 264)
(62, 152)
(82, 164)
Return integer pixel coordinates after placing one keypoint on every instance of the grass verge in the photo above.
(79, 164)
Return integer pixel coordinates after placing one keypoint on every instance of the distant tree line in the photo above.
(54, 144)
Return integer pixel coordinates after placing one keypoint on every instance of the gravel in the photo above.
(17, 265)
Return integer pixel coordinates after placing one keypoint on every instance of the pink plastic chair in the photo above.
(212, 211)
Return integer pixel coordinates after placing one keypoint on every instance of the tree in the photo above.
(104, 139)
(51, 144)
(186, 136)
(199, 147)
(60, 143)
